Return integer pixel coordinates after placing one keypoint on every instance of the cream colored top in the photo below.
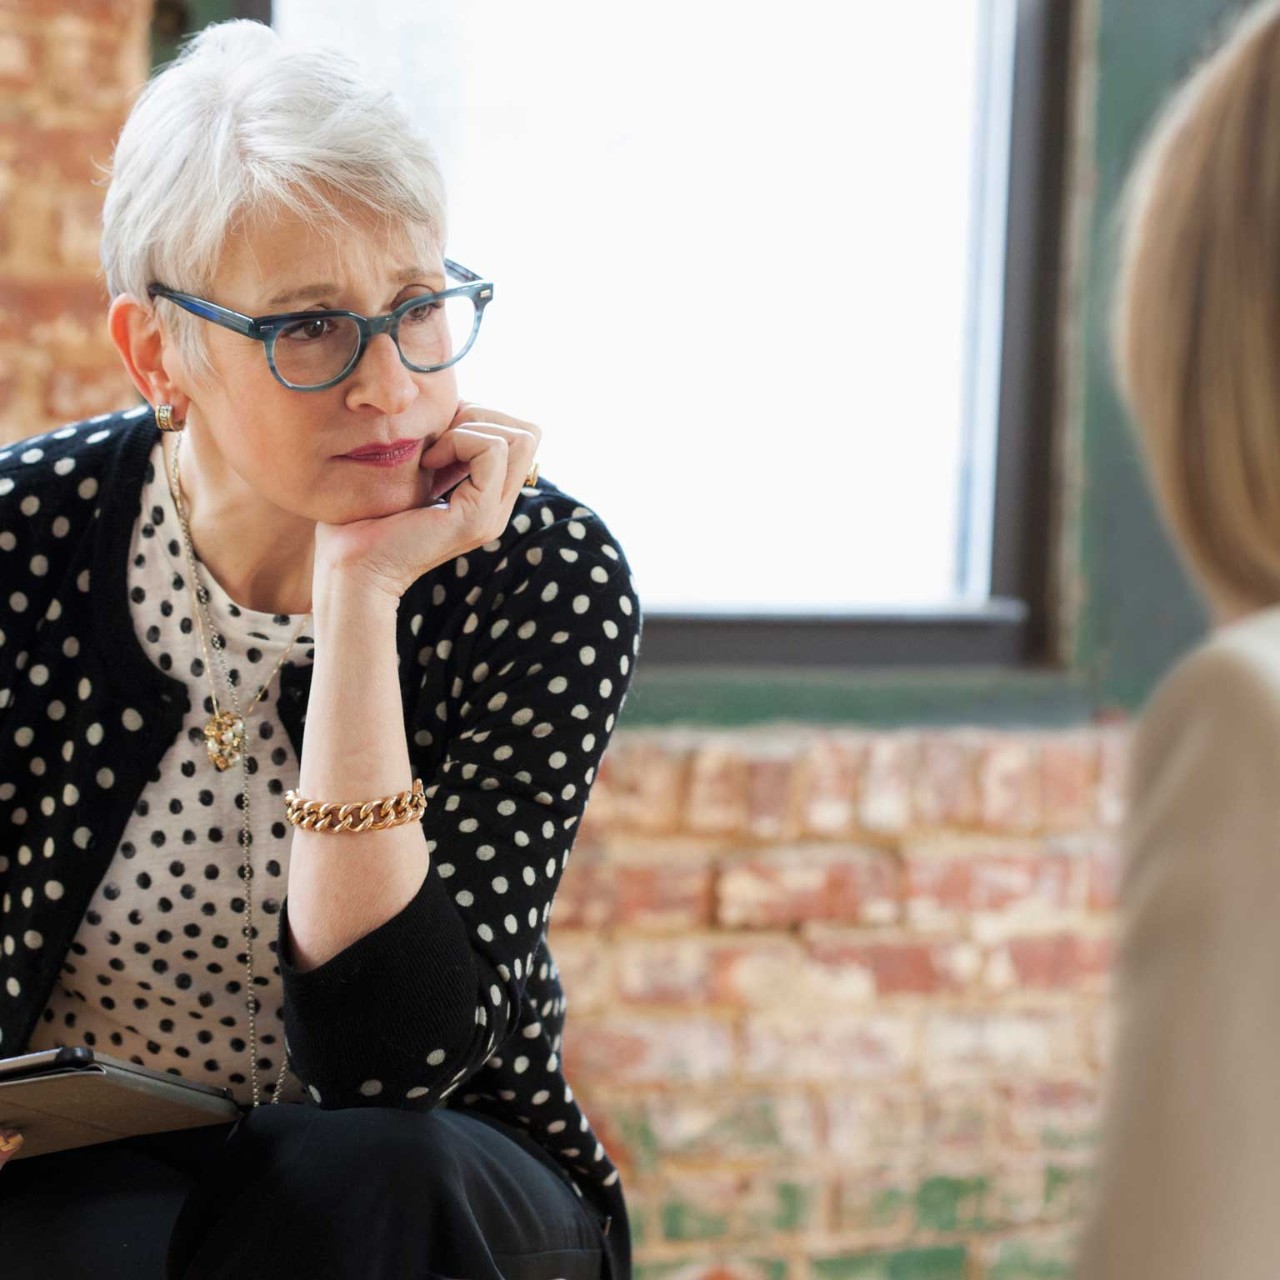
(1189, 1181)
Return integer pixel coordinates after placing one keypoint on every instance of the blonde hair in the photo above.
(1196, 327)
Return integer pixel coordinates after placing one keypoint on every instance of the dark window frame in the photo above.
(1015, 627)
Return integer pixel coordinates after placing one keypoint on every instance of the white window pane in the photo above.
(731, 247)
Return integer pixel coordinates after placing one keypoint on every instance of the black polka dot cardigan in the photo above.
(515, 661)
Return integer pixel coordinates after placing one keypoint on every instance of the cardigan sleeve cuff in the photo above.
(405, 976)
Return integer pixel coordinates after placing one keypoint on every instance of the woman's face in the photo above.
(288, 445)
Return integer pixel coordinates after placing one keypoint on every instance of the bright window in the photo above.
(747, 265)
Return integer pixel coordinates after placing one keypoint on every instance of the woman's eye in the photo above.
(307, 330)
(423, 311)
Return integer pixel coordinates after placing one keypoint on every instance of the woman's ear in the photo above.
(142, 347)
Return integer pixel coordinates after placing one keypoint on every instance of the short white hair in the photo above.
(243, 123)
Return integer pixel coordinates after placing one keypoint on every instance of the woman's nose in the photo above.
(381, 378)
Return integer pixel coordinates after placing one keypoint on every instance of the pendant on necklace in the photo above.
(224, 739)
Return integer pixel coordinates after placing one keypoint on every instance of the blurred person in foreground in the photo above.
(309, 622)
(1189, 1185)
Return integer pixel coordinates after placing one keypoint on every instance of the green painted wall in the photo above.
(200, 14)
(1141, 610)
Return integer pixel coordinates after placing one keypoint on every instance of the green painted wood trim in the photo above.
(1140, 610)
(709, 697)
(202, 13)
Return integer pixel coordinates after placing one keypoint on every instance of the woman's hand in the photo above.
(490, 453)
(10, 1143)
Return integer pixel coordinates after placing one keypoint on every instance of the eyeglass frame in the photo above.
(266, 329)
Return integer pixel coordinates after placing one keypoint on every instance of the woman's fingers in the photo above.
(523, 438)
(494, 456)
(465, 451)
(10, 1143)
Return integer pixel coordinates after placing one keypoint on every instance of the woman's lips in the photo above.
(385, 457)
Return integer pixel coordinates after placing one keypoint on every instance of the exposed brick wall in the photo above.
(839, 999)
(66, 72)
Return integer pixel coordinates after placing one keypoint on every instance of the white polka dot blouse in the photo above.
(120, 863)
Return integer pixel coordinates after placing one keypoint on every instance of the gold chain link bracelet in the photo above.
(330, 818)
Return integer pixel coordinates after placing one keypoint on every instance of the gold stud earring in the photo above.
(165, 421)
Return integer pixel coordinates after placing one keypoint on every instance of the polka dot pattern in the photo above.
(155, 973)
(514, 661)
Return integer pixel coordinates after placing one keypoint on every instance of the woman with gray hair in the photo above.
(303, 637)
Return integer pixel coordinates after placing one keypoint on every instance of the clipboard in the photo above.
(73, 1096)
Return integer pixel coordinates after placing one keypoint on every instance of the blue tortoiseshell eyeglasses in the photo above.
(315, 350)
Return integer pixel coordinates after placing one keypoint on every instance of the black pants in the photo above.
(364, 1193)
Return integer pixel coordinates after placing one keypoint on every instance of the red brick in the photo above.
(831, 784)
(948, 881)
(888, 780)
(787, 886)
(681, 897)
(1069, 770)
(77, 226)
(586, 897)
(20, 58)
(88, 68)
(649, 1050)
(873, 1047)
(1113, 779)
(79, 393)
(1103, 870)
(1010, 785)
(774, 796)
(958, 1118)
(1057, 962)
(665, 970)
(946, 788)
(587, 970)
(595, 893)
(1047, 1115)
(101, 13)
(641, 783)
(767, 972)
(29, 216)
(977, 1044)
(57, 156)
(1099, 1034)
(35, 305)
(717, 796)
(873, 1122)
(738, 1126)
(901, 966)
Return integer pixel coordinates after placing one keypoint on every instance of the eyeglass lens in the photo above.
(311, 352)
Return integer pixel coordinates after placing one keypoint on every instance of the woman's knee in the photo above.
(366, 1149)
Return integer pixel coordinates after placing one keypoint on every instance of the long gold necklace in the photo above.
(230, 749)
(224, 731)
